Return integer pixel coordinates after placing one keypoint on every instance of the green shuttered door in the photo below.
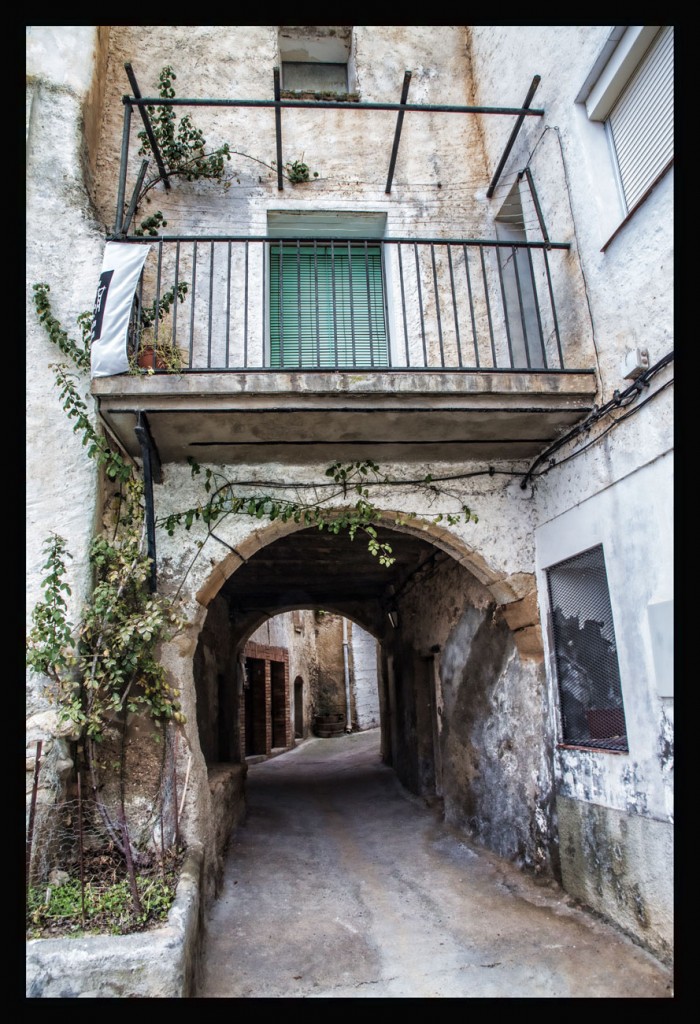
(327, 305)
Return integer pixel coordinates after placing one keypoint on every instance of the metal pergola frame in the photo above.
(278, 104)
(149, 452)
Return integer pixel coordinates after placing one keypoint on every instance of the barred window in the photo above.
(588, 675)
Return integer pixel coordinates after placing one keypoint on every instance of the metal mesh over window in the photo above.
(588, 675)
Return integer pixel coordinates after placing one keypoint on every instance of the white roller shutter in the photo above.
(641, 122)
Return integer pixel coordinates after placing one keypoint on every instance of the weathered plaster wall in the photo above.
(628, 287)
(616, 811)
(624, 795)
(349, 149)
(495, 744)
(363, 676)
(622, 866)
(63, 249)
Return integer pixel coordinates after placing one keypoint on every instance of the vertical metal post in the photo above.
(346, 674)
(211, 302)
(420, 305)
(299, 328)
(32, 807)
(471, 306)
(228, 302)
(278, 128)
(369, 307)
(437, 304)
(245, 308)
(119, 218)
(488, 304)
(352, 306)
(504, 304)
(454, 305)
(143, 435)
(403, 305)
(318, 318)
(176, 299)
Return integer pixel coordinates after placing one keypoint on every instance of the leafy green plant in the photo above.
(106, 667)
(73, 908)
(153, 347)
(183, 149)
(298, 171)
(352, 479)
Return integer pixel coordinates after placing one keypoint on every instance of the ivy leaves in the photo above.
(354, 479)
(182, 146)
(108, 663)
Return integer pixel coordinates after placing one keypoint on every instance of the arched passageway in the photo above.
(463, 703)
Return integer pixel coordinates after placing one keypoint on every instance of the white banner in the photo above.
(121, 269)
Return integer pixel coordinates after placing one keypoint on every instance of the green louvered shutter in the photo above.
(327, 305)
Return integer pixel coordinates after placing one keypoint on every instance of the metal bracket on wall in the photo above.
(152, 472)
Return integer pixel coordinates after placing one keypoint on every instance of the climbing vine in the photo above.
(106, 667)
(322, 512)
(183, 149)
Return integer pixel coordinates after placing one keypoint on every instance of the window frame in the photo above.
(322, 227)
(317, 46)
(615, 71)
(565, 694)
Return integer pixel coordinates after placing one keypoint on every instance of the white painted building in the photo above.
(513, 338)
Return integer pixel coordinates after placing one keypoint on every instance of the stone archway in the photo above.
(463, 697)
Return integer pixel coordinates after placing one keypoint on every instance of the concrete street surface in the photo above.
(340, 884)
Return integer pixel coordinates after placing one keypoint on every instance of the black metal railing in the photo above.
(251, 303)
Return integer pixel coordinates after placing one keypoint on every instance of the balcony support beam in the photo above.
(135, 196)
(397, 133)
(119, 218)
(513, 136)
(143, 110)
(152, 471)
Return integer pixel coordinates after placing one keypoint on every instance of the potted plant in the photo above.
(159, 354)
(154, 349)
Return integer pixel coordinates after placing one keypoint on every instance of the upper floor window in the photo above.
(316, 58)
(585, 650)
(632, 97)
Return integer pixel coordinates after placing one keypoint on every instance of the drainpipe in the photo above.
(348, 718)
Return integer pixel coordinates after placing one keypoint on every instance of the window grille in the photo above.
(588, 675)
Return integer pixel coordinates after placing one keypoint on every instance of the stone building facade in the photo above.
(498, 157)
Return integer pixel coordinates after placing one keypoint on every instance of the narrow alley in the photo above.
(340, 884)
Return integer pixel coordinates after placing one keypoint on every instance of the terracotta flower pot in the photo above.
(150, 359)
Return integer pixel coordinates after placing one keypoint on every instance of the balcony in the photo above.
(320, 348)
